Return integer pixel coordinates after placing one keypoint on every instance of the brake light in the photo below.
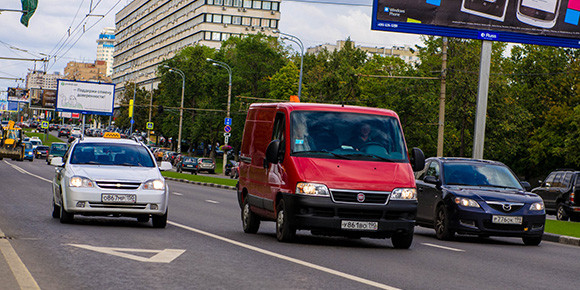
(572, 197)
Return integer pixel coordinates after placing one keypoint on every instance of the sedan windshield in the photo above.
(471, 174)
(351, 136)
(111, 154)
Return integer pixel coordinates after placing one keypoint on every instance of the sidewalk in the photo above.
(561, 239)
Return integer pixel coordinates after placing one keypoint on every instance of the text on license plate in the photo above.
(361, 226)
(511, 220)
(119, 198)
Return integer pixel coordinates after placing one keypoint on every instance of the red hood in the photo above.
(355, 174)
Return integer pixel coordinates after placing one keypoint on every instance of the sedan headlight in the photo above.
(156, 184)
(537, 206)
(466, 202)
(77, 181)
(313, 189)
(404, 194)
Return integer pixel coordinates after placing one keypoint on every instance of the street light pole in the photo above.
(133, 113)
(178, 71)
(226, 66)
(296, 40)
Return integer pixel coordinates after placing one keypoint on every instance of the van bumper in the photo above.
(323, 216)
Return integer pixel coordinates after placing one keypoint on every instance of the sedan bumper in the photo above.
(481, 223)
(88, 201)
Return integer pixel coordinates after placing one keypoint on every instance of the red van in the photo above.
(331, 169)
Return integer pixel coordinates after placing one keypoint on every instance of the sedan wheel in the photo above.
(65, 216)
(55, 210)
(442, 230)
(250, 222)
(159, 221)
(561, 213)
(532, 241)
(284, 232)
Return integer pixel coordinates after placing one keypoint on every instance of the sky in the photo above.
(325, 21)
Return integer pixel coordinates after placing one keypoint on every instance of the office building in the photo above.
(92, 72)
(42, 80)
(106, 48)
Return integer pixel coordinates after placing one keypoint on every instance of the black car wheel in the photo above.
(159, 221)
(532, 241)
(402, 240)
(561, 213)
(179, 169)
(284, 232)
(250, 222)
(442, 230)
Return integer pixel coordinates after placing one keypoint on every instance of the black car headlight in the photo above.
(467, 202)
(537, 206)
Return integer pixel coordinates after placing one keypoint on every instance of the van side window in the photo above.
(278, 131)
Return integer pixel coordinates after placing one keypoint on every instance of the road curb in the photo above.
(561, 239)
(201, 183)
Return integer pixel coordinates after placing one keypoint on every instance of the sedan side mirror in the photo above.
(165, 166)
(432, 179)
(526, 185)
(57, 161)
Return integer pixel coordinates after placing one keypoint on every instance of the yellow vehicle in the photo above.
(11, 145)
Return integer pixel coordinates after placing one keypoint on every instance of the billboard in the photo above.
(3, 101)
(85, 97)
(543, 22)
(18, 95)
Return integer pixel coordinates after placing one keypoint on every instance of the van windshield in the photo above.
(343, 135)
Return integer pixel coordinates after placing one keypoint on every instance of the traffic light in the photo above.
(160, 109)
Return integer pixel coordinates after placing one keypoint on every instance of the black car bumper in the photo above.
(323, 216)
(481, 223)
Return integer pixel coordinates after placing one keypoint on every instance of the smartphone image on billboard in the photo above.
(492, 9)
(540, 13)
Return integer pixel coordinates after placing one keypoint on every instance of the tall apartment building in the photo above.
(42, 80)
(81, 71)
(106, 47)
(404, 52)
(151, 31)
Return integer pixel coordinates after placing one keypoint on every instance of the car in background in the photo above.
(41, 151)
(109, 176)
(75, 133)
(160, 152)
(477, 197)
(230, 168)
(206, 164)
(57, 149)
(28, 151)
(187, 164)
(559, 192)
(53, 127)
(64, 131)
(35, 141)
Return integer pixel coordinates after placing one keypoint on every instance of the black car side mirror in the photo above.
(417, 159)
(526, 185)
(431, 179)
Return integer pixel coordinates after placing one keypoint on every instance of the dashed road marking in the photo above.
(212, 201)
(19, 169)
(443, 247)
(177, 193)
(19, 270)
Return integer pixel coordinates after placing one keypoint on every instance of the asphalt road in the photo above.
(204, 247)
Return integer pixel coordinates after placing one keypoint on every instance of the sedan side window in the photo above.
(433, 170)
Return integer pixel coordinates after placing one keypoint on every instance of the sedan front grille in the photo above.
(506, 207)
(118, 185)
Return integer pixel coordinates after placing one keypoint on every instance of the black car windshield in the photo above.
(111, 154)
(343, 135)
(479, 174)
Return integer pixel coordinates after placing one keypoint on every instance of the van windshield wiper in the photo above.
(321, 151)
(371, 155)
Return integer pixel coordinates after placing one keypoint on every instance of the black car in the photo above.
(478, 197)
(559, 192)
(41, 151)
(63, 132)
(187, 164)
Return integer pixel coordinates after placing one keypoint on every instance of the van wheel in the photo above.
(402, 240)
(561, 213)
(284, 232)
(442, 230)
(250, 222)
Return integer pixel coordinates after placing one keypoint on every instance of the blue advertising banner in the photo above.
(543, 22)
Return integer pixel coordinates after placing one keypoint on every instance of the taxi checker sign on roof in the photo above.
(85, 97)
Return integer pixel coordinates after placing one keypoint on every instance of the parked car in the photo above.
(478, 197)
(57, 149)
(28, 151)
(299, 169)
(187, 164)
(230, 168)
(206, 164)
(41, 151)
(559, 192)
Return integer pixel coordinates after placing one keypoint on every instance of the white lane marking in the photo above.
(212, 201)
(286, 258)
(161, 256)
(26, 172)
(177, 193)
(19, 270)
(442, 247)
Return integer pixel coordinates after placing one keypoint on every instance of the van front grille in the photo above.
(355, 196)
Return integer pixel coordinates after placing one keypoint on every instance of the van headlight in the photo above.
(404, 194)
(78, 181)
(156, 184)
(312, 189)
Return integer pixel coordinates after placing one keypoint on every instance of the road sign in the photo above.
(228, 128)
(132, 121)
(149, 125)
(228, 121)
(44, 125)
(227, 134)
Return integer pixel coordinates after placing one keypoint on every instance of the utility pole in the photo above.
(441, 124)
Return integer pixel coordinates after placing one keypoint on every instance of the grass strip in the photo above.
(200, 178)
(51, 139)
(571, 229)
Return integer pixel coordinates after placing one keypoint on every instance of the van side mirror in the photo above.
(417, 159)
(526, 185)
(273, 151)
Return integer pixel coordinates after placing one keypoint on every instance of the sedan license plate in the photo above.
(509, 220)
(361, 226)
(119, 198)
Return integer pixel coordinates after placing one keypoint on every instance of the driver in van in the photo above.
(363, 137)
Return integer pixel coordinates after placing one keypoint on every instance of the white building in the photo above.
(151, 31)
(405, 53)
(106, 48)
(42, 80)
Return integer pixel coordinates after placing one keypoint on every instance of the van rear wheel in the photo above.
(250, 222)
(284, 232)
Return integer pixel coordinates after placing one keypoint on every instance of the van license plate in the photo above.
(119, 198)
(509, 220)
(361, 226)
